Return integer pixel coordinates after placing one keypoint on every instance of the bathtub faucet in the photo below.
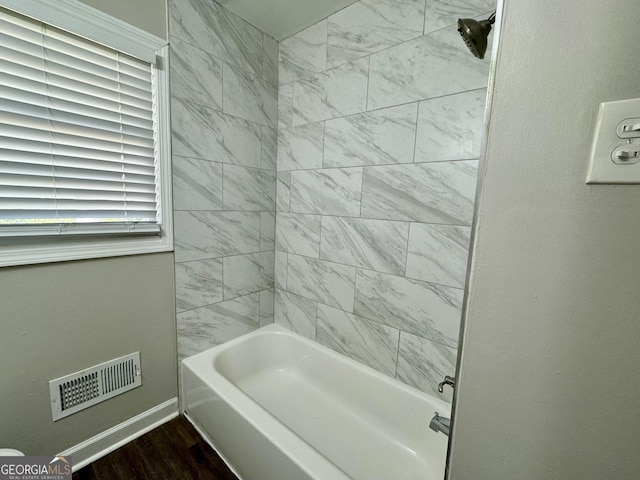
(440, 424)
(451, 381)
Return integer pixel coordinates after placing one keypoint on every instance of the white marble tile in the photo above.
(332, 191)
(438, 253)
(270, 52)
(267, 231)
(451, 127)
(266, 307)
(266, 320)
(247, 95)
(206, 134)
(304, 53)
(440, 192)
(443, 13)
(296, 313)
(188, 346)
(298, 233)
(368, 342)
(281, 270)
(206, 327)
(197, 184)
(202, 235)
(198, 284)
(244, 274)
(196, 76)
(334, 93)
(301, 148)
(373, 244)
(285, 106)
(283, 192)
(326, 282)
(425, 309)
(430, 66)
(369, 26)
(376, 138)
(248, 189)
(214, 29)
(269, 148)
(423, 364)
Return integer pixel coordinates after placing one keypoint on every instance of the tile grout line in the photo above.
(322, 217)
(373, 110)
(424, 19)
(435, 162)
(365, 269)
(398, 354)
(222, 301)
(286, 272)
(324, 143)
(326, 46)
(366, 107)
(315, 329)
(361, 191)
(415, 138)
(419, 35)
(368, 319)
(406, 258)
(262, 146)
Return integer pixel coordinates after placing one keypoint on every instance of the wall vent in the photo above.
(80, 390)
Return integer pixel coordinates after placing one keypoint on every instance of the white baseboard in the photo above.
(106, 442)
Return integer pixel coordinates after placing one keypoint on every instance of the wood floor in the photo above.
(173, 451)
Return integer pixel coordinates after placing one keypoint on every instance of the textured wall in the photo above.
(549, 374)
(380, 121)
(224, 76)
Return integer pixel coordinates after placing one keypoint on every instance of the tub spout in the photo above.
(440, 424)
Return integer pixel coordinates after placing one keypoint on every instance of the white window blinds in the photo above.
(77, 137)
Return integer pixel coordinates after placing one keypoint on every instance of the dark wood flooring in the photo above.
(173, 451)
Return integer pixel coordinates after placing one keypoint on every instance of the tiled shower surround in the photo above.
(224, 80)
(380, 124)
(379, 119)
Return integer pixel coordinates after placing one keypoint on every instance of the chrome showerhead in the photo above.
(475, 33)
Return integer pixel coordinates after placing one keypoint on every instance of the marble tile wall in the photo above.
(380, 114)
(224, 100)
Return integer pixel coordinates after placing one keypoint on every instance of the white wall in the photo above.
(548, 383)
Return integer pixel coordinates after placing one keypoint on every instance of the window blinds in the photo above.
(77, 142)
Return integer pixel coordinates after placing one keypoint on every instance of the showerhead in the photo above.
(475, 33)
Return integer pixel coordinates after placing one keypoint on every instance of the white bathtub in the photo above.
(277, 406)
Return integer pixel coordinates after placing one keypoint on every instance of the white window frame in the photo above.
(85, 21)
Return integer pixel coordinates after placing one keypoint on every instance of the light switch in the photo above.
(615, 152)
(626, 155)
(629, 128)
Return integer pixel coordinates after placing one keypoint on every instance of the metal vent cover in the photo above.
(80, 390)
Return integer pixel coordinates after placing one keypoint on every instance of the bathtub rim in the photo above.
(294, 447)
(274, 328)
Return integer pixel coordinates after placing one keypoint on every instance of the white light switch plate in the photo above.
(607, 164)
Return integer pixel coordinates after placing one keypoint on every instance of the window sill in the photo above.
(32, 251)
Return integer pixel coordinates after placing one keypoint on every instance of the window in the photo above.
(83, 138)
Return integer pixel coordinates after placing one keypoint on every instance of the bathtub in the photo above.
(277, 406)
